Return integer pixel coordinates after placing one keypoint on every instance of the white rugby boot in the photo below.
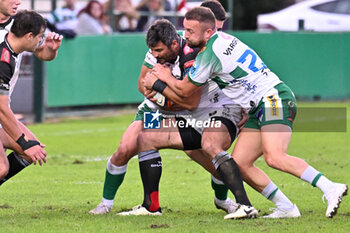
(334, 198)
(140, 210)
(243, 211)
(102, 208)
(281, 213)
(229, 206)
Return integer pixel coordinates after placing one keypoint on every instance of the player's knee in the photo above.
(272, 160)
(210, 147)
(123, 154)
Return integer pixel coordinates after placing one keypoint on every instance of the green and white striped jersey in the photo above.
(235, 67)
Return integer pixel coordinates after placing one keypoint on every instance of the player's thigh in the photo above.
(200, 157)
(165, 137)
(4, 164)
(219, 137)
(275, 139)
(248, 147)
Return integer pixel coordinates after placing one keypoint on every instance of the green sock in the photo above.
(221, 191)
(114, 178)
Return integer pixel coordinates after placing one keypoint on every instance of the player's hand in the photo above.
(244, 119)
(163, 72)
(37, 154)
(53, 40)
(149, 80)
(149, 94)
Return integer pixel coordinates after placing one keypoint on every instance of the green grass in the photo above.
(57, 196)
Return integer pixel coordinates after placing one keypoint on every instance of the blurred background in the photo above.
(306, 43)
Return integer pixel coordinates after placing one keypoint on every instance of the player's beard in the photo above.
(170, 58)
(195, 44)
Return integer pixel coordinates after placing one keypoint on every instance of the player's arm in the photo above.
(144, 71)
(162, 78)
(189, 103)
(48, 50)
(9, 122)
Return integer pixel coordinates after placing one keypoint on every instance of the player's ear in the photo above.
(29, 36)
(174, 44)
(208, 33)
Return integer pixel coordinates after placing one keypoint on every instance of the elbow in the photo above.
(184, 94)
(140, 88)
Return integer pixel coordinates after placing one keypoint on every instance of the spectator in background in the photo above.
(127, 19)
(91, 20)
(64, 20)
(152, 6)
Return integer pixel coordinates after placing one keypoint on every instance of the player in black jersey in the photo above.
(46, 52)
(26, 35)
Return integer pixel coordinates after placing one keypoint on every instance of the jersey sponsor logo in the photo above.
(273, 110)
(202, 50)
(231, 47)
(226, 36)
(189, 64)
(273, 104)
(187, 49)
(5, 56)
(193, 69)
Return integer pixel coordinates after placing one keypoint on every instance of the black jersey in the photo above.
(8, 60)
(186, 57)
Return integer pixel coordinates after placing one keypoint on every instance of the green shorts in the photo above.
(277, 106)
(143, 107)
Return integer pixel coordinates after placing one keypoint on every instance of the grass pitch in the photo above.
(58, 196)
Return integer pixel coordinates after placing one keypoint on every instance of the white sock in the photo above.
(220, 201)
(324, 184)
(108, 203)
(116, 170)
(272, 193)
(311, 175)
(216, 181)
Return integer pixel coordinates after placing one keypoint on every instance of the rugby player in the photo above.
(271, 104)
(26, 35)
(47, 51)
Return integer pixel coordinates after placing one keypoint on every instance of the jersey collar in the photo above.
(3, 25)
(9, 47)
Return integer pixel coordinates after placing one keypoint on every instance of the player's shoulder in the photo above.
(6, 54)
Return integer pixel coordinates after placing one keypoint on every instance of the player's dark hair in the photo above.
(161, 31)
(201, 14)
(26, 21)
(216, 8)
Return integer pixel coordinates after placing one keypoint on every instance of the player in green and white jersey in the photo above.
(243, 77)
